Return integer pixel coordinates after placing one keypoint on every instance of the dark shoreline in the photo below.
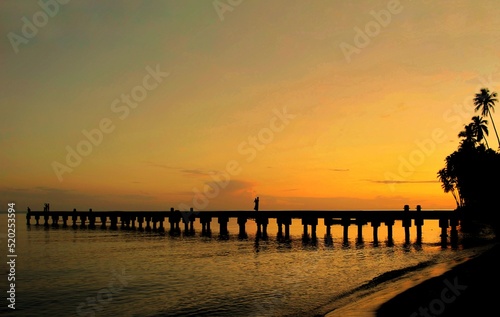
(404, 295)
(463, 290)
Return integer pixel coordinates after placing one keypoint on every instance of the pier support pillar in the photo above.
(419, 222)
(83, 219)
(155, 223)
(280, 229)
(140, 220)
(46, 220)
(305, 234)
(328, 224)
(148, 224)
(389, 224)
(360, 232)
(313, 232)
(91, 221)
(172, 225)
(191, 217)
(191, 226)
(174, 219)
(55, 220)
(407, 224)
(65, 221)
(287, 222)
(103, 222)
(205, 225)
(328, 235)
(345, 224)
(223, 220)
(74, 218)
(314, 224)
(375, 225)
(185, 221)
(360, 223)
(161, 229)
(262, 223)
(241, 223)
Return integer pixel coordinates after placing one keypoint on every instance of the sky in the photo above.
(152, 105)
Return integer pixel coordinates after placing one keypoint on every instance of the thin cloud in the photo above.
(187, 171)
(52, 190)
(401, 182)
(195, 172)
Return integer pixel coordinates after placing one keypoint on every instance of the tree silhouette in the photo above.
(471, 175)
(485, 102)
(448, 183)
(468, 135)
(480, 129)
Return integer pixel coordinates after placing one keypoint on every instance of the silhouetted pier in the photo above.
(176, 222)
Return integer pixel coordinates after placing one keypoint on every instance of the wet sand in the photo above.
(448, 289)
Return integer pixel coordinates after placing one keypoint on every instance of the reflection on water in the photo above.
(68, 272)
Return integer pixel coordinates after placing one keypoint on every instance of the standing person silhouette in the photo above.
(256, 202)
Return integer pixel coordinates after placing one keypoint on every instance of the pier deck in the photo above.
(157, 220)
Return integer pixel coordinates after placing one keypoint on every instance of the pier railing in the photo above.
(157, 221)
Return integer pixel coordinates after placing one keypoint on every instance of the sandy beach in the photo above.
(448, 289)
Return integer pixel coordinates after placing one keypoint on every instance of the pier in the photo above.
(177, 222)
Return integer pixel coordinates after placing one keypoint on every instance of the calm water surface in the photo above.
(66, 272)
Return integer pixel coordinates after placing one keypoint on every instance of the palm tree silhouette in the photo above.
(485, 101)
(480, 129)
(469, 136)
(448, 183)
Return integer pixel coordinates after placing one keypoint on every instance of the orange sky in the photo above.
(207, 104)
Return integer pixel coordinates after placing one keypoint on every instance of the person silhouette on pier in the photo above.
(256, 204)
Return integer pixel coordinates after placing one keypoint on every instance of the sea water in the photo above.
(82, 272)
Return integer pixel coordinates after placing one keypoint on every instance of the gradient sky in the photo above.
(366, 127)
